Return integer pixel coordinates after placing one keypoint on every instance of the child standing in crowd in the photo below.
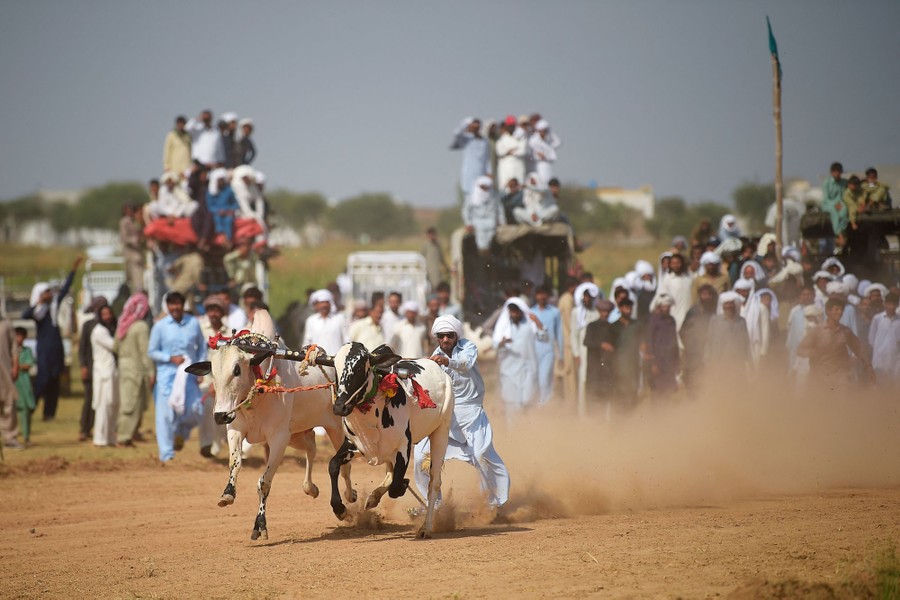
(25, 402)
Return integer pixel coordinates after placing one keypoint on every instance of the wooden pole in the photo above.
(779, 200)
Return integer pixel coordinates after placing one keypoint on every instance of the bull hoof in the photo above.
(225, 500)
(311, 490)
(351, 496)
(341, 514)
(372, 501)
(423, 534)
(264, 534)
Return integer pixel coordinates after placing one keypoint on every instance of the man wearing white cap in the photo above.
(471, 436)
(325, 328)
(408, 339)
(584, 313)
(711, 274)
(542, 153)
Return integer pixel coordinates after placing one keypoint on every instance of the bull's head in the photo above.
(355, 367)
(231, 367)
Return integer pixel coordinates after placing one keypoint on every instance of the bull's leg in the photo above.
(234, 466)
(276, 453)
(399, 483)
(343, 456)
(439, 439)
(375, 497)
(337, 438)
(306, 440)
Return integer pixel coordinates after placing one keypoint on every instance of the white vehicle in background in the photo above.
(104, 275)
(387, 272)
(403, 272)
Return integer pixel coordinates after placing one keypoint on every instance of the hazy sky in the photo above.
(364, 96)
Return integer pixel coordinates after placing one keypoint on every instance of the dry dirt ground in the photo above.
(97, 530)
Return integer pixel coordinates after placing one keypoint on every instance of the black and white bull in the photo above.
(278, 420)
(382, 427)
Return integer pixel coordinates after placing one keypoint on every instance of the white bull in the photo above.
(382, 428)
(278, 420)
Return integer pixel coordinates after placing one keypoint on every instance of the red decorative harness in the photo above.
(389, 385)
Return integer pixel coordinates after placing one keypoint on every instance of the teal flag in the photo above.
(773, 47)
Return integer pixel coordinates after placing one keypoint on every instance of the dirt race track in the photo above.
(155, 532)
(768, 495)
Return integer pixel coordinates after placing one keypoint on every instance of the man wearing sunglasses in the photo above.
(471, 437)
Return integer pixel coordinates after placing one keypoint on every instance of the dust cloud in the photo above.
(727, 443)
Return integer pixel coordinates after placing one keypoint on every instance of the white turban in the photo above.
(728, 246)
(447, 324)
(260, 177)
(665, 300)
(585, 288)
(228, 117)
(877, 286)
(823, 275)
(245, 121)
(410, 305)
(323, 295)
(812, 312)
(758, 273)
(36, 291)
(169, 176)
(710, 258)
(729, 223)
(835, 287)
(862, 287)
(851, 281)
(503, 328)
(541, 125)
(743, 284)
(479, 195)
(834, 262)
(726, 297)
(642, 267)
(214, 177)
(791, 253)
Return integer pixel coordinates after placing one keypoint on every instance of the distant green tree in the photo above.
(101, 207)
(375, 215)
(23, 209)
(297, 209)
(673, 216)
(752, 200)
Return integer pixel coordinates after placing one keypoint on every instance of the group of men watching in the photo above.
(205, 221)
(515, 158)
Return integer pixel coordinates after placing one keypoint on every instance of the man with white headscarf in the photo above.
(711, 274)
(643, 284)
(585, 312)
(677, 284)
(762, 324)
(482, 213)
(727, 342)
(821, 279)
(542, 152)
(247, 194)
(515, 337)
(409, 338)
(326, 327)
(728, 228)
(471, 436)
(173, 202)
(538, 206)
(476, 151)
(789, 280)
(44, 310)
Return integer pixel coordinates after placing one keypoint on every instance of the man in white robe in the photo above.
(585, 312)
(207, 146)
(471, 436)
(325, 328)
(884, 337)
(408, 338)
(539, 206)
(482, 213)
(543, 154)
(368, 331)
(511, 152)
(677, 283)
(392, 316)
(515, 339)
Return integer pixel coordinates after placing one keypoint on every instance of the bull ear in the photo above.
(325, 361)
(259, 357)
(383, 357)
(200, 368)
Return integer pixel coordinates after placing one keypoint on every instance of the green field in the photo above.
(297, 269)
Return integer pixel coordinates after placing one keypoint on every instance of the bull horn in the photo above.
(259, 357)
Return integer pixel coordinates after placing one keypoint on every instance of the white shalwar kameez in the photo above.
(471, 436)
(516, 346)
(581, 317)
(884, 336)
(105, 400)
(408, 339)
(510, 159)
(326, 332)
(482, 212)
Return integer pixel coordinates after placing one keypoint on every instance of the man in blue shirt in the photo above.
(550, 347)
(476, 154)
(175, 343)
(471, 436)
